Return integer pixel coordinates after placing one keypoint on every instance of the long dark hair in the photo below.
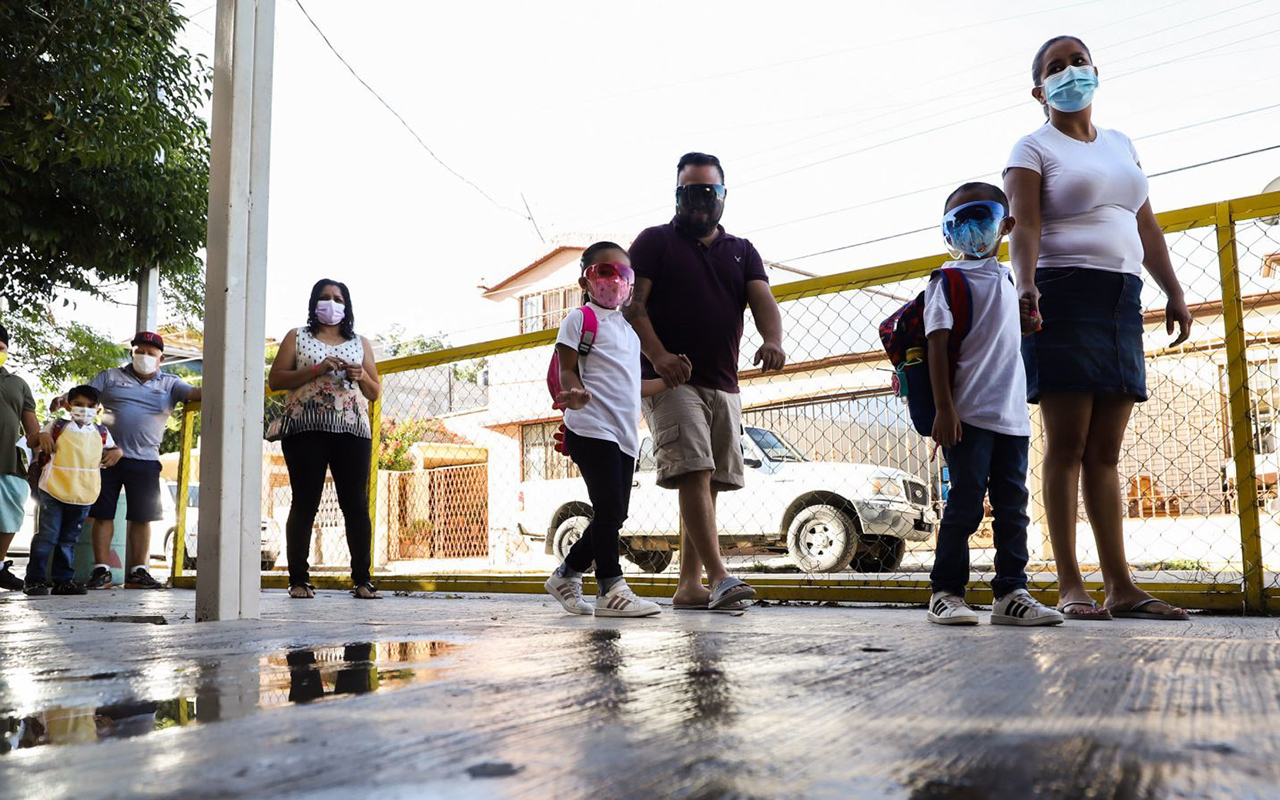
(1037, 61)
(348, 325)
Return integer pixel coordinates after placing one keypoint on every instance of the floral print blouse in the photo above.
(330, 403)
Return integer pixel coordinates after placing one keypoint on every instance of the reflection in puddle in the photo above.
(301, 675)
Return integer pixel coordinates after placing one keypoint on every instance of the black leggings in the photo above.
(608, 473)
(308, 455)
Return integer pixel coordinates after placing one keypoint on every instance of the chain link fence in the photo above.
(840, 488)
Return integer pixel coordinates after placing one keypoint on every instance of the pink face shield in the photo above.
(610, 284)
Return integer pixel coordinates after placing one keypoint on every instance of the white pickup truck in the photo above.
(825, 515)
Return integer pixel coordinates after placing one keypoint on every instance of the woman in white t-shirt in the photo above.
(1085, 231)
(601, 396)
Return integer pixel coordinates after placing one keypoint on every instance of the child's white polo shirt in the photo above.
(611, 373)
(990, 389)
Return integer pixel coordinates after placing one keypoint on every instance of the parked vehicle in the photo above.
(825, 515)
(272, 536)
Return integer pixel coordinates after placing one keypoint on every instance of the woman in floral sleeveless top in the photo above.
(331, 377)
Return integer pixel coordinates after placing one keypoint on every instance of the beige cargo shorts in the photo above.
(696, 429)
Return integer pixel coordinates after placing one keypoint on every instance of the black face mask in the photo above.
(699, 207)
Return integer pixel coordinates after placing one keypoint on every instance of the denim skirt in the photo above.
(1091, 342)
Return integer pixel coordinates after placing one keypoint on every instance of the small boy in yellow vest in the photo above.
(72, 454)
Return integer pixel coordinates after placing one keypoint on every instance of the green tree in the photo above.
(103, 158)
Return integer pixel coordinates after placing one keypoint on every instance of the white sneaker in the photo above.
(1020, 608)
(569, 592)
(950, 609)
(620, 601)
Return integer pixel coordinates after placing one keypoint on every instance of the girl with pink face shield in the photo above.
(601, 400)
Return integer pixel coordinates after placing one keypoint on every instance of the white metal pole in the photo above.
(148, 316)
(227, 580)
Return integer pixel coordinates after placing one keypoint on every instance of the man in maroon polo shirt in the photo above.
(693, 282)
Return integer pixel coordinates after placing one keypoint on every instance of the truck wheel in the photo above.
(880, 554)
(822, 538)
(188, 560)
(567, 533)
(649, 560)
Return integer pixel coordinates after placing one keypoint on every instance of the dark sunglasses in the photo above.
(692, 192)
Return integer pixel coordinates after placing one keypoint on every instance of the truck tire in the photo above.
(649, 560)
(188, 560)
(822, 538)
(880, 554)
(567, 533)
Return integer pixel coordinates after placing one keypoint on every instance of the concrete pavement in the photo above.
(506, 697)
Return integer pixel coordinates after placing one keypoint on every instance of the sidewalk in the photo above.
(506, 697)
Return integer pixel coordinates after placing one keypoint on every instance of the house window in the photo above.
(545, 311)
(539, 460)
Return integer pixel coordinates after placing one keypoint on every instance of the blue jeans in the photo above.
(984, 462)
(60, 525)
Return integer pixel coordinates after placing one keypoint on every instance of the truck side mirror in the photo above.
(754, 463)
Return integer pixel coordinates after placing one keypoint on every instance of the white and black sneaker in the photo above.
(950, 609)
(1020, 608)
(569, 592)
(620, 601)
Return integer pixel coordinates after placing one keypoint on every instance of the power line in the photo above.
(913, 192)
(845, 51)
(934, 227)
(405, 124)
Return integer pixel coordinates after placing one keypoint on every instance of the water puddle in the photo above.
(230, 688)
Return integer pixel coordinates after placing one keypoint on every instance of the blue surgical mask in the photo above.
(1072, 89)
(973, 229)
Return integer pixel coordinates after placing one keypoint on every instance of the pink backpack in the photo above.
(590, 325)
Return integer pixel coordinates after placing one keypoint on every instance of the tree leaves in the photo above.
(104, 153)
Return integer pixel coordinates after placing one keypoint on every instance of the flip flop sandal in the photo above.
(728, 592)
(734, 609)
(305, 591)
(1133, 612)
(1099, 614)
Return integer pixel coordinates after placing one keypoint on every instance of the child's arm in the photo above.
(652, 386)
(572, 393)
(111, 452)
(946, 425)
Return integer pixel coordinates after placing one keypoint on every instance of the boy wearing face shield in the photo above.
(982, 421)
(138, 400)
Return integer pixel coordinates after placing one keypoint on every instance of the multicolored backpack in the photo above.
(903, 332)
(590, 327)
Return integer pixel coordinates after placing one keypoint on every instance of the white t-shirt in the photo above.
(990, 389)
(1089, 198)
(611, 373)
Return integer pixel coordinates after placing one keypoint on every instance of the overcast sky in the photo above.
(584, 108)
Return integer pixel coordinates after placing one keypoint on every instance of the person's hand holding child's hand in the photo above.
(43, 441)
(572, 398)
(1029, 312)
(947, 429)
(111, 457)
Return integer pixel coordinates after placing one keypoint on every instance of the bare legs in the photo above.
(700, 543)
(137, 546)
(1084, 434)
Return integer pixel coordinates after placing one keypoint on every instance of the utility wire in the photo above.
(935, 227)
(913, 192)
(966, 120)
(406, 125)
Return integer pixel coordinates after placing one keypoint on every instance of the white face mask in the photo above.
(144, 364)
(83, 416)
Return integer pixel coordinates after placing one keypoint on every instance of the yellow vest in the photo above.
(74, 475)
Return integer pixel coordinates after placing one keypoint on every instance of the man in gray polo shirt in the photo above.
(138, 399)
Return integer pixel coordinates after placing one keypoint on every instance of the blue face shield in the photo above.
(1072, 89)
(973, 229)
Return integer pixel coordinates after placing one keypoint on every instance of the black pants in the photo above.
(984, 463)
(308, 455)
(608, 473)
